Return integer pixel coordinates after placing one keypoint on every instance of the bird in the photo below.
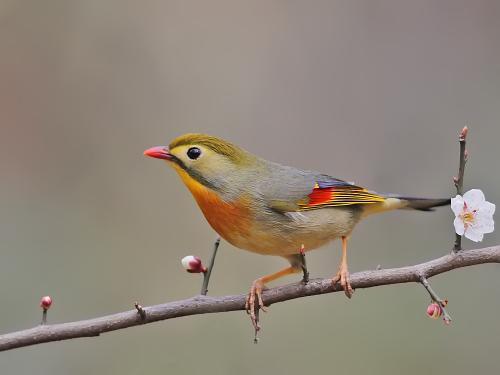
(272, 209)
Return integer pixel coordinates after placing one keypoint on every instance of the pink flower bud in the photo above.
(45, 302)
(434, 311)
(193, 264)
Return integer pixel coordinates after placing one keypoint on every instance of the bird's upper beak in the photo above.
(159, 152)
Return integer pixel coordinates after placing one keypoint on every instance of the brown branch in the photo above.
(459, 179)
(204, 304)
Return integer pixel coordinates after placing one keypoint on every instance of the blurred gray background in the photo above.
(370, 91)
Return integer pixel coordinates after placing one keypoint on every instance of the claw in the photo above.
(343, 273)
(255, 293)
(343, 276)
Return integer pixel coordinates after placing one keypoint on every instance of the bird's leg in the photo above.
(256, 293)
(343, 272)
(303, 265)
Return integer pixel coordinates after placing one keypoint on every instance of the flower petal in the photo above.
(484, 223)
(186, 261)
(486, 208)
(474, 198)
(457, 205)
(459, 226)
(473, 234)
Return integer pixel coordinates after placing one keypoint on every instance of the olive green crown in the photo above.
(217, 145)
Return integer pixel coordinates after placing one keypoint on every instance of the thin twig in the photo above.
(435, 298)
(459, 180)
(206, 275)
(44, 317)
(140, 310)
(204, 304)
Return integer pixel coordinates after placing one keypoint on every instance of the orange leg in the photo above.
(343, 272)
(256, 292)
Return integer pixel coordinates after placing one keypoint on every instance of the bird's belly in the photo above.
(272, 233)
(285, 235)
(240, 228)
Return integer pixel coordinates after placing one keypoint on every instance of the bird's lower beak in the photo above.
(158, 152)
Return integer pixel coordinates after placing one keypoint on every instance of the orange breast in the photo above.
(230, 219)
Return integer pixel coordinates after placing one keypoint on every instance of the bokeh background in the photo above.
(370, 91)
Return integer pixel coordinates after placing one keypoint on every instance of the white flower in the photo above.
(473, 215)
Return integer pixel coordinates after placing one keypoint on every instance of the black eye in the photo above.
(194, 153)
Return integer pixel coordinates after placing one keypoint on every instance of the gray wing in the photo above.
(289, 189)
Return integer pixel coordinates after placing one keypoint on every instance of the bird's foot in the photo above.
(343, 276)
(251, 307)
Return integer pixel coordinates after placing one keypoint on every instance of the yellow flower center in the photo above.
(468, 217)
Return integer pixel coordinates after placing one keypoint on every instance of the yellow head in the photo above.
(215, 172)
(204, 159)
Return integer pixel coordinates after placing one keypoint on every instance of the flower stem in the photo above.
(206, 275)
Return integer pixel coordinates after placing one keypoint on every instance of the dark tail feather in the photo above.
(424, 204)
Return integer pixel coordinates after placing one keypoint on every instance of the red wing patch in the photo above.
(344, 195)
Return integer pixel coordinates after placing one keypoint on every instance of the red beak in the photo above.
(159, 152)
